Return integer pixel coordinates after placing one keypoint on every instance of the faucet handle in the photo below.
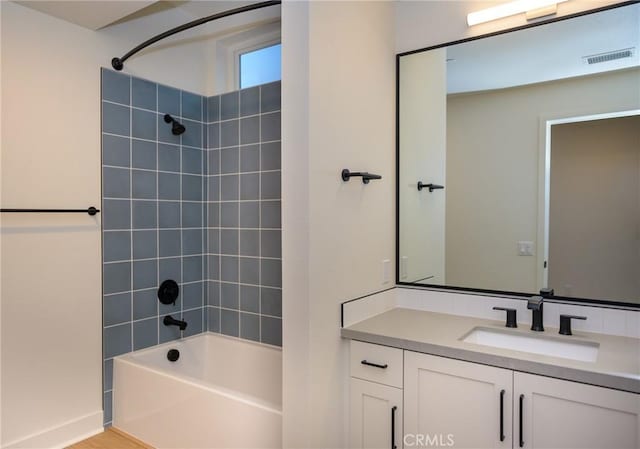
(511, 316)
(535, 302)
(565, 323)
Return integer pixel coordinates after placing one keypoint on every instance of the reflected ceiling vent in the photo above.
(609, 56)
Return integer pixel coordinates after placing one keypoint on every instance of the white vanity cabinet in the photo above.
(560, 414)
(454, 403)
(376, 411)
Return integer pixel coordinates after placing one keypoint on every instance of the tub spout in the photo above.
(171, 321)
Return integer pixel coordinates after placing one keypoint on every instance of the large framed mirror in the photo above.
(519, 161)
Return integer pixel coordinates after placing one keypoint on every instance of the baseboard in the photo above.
(61, 436)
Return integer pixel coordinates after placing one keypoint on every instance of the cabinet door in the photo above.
(454, 403)
(558, 414)
(376, 415)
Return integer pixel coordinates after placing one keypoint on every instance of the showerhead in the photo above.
(176, 128)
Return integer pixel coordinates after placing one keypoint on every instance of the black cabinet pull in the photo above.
(502, 415)
(375, 365)
(393, 427)
(520, 420)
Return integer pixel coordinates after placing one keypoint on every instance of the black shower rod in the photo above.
(118, 63)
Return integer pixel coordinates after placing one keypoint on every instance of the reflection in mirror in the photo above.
(535, 136)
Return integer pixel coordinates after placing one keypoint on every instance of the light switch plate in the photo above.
(525, 248)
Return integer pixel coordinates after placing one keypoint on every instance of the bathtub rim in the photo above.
(129, 358)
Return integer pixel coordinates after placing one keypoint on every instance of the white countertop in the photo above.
(617, 365)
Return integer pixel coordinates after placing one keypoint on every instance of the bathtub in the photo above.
(222, 392)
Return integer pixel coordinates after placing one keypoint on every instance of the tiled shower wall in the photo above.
(202, 208)
(244, 237)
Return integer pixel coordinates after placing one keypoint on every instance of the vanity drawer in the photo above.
(376, 363)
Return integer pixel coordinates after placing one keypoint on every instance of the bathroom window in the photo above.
(260, 66)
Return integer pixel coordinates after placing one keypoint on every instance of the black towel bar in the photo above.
(90, 210)
(366, 177)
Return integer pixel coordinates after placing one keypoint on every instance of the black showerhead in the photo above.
(176, 128)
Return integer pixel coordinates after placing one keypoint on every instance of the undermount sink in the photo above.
(585, 351)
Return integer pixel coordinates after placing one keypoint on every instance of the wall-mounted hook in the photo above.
(431, 187)
(366, 177)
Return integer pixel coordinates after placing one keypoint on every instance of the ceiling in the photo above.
(545, 53)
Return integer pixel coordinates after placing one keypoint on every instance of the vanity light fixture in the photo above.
(533, 8)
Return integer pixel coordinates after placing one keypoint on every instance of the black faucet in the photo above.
(535, 304)
(171, 321)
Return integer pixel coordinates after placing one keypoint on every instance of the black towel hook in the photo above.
(431, 187)
(366, 177)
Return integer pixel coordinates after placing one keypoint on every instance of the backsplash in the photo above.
(201, 208)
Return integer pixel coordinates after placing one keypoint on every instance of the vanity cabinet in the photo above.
(455, 403)
(376, 410)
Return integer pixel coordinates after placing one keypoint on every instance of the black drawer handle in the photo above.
(375, 365)
(393, 427)
(502, 415)
(520, 421)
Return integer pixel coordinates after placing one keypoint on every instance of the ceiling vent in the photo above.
(609, 56)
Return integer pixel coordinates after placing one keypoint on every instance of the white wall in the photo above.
(51, 279)
(338, 112)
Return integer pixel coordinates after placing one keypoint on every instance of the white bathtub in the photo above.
(221, 393)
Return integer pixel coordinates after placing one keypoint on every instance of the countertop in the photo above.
(617, 365)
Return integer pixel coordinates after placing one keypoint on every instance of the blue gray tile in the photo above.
(191, 215)
(213, 214)
(271, 272)
(143, 154)
(145, 303)
(213, 109)
(108, 408)
(116, 246)
(168, 100)
(250, 214)
(229, 133)
(213, 185)
(108, 374)
(229, 105)
(229, 295)
(271, 301)
(192, 295)
(229, 160)
(143, 184)
(270, 185)
(192, 241)
(191, 188)
(229, 323)
(192, 161)
(213, 136)
(116, 151)
(250, 186)
(229, 269)
(250, 298)
(213, 265)
(116, 277)
(270, 214)
(250, 326)
(229, 188)
(169, 243)
(170, 269)
(250, 158)
(194, 321)
(115, 86)
(168, 157)
(271, 243)
(168, 186)
(145, 244)
(250, 101)
(213, 319)
(145, 333)
(213, 241)
(191, 106)
(145, 214)
(143, 94)
(229, 241)
(213, 162)
(249, 271)
(229, 214)
(115, 182)
(270, 97)
(145, 274)
(143, 124)
(168, 214)
(117, 340)
(191, 268)
(249, 130)
(271, 330)
(116, 309)
(270, 126)
(193, 135)
(116, 214)
(164, 131)
(270, 156)
(115, 119)
(249, 243)
(213, 293)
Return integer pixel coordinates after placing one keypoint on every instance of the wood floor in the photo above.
(110, 439)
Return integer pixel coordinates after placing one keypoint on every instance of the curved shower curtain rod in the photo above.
(118, 63)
